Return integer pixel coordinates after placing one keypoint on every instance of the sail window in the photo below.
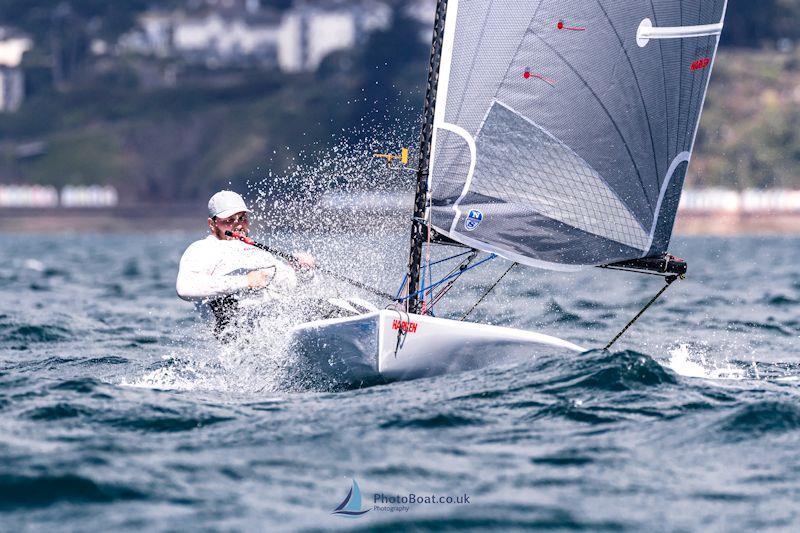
(519, 161)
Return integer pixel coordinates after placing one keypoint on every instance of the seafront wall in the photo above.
(701, 212)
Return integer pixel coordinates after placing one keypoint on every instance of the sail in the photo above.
(563, 129)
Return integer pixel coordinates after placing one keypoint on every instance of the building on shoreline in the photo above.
(749, 201)
(47, 196)
(236, 33)
(13, 45)
(310, 32)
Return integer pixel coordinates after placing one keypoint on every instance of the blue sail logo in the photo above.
(473, 219)
(351, 506)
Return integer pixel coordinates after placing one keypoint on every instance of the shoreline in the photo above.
(150, 218)
(715, 224)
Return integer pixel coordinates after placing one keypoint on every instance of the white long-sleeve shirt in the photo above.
(211, 268)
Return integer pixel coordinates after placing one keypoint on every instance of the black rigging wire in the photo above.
(669, 280)
(460, 268)
(490, 289)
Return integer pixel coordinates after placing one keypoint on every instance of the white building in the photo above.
(12, 81)
(241, 32)
(225, 38)
(309, 33)
(157, 32)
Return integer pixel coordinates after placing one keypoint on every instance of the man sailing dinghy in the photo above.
(223, 274)
(557, 134)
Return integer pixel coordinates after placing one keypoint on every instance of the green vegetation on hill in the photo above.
(750, 129)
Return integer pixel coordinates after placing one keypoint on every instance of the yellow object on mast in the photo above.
(403, 156)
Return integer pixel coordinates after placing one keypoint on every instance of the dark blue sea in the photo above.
(120, 411)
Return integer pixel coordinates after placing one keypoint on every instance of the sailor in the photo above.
(222, 274)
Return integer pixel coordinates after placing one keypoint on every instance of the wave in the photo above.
(694, 363)
(166, 421)
(574, 411)
(58, 411)
(770, 326)
(761, 418)
(439, 420)
(780, 300)
(83, 386)
(504, 517)
(603, 370)
(33, 333)
(44, 490)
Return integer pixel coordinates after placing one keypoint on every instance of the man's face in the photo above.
(238, 223)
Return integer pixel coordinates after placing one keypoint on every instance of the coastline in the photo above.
(716, 224)
(151, 218)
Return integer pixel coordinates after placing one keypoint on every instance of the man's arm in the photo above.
(196, 280)
(195, 284)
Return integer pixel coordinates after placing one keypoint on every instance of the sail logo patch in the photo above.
(700, 64)
(473, 220)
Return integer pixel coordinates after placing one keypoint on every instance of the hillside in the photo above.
(750, 130)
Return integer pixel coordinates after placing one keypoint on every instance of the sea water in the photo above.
(119, 410)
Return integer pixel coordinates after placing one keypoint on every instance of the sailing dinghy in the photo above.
(557, 134)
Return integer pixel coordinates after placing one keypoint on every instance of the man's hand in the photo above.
(304, 261)
(258, 279)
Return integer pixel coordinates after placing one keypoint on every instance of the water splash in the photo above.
(257, 355)
(34, 264)
(175, 373)
(695, 364)
(341, 188)
(337, 188)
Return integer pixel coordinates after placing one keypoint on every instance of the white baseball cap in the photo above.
(226, 203)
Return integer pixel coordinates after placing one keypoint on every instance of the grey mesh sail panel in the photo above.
(563, 129)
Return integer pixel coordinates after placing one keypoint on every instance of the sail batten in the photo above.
(562, 141)
(647, 31)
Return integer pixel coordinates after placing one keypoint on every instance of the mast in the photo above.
(418, 226)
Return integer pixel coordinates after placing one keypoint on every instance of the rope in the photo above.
(460, 269)
(448, 278)
(404, 283)
(402, 286)
(490, 289)
(669, 281)
(451, 257)
(291, 260)
(424, 309)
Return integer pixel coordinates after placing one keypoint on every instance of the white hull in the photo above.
(388, 345)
